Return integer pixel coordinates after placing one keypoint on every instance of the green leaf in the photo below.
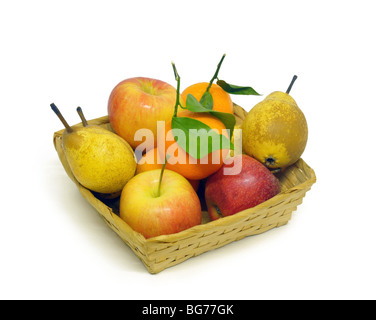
(228, 119)
(196, 138)
(207, 100)
(193, 105)
(233, 89)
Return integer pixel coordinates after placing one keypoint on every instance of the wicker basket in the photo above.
(165, 251)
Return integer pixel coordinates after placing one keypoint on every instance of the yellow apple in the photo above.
(176, 208)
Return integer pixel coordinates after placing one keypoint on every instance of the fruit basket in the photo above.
(161, 252)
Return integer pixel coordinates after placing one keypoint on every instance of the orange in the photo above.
(149, 162)
(183, 163)
(221, 99)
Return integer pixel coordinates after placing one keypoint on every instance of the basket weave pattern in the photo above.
(165, 251)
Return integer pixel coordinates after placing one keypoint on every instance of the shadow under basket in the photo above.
(161, 252)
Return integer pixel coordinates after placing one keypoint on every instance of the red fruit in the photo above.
(229, 191)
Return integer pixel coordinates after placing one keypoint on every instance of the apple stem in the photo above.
(60, 116)
(218, 211)
(161, 176)
(81, 114)
(291, 84)
(216, 73)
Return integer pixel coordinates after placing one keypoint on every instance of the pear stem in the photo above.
(60, 116)
(81, 114)
(216, 73)
(291, 84)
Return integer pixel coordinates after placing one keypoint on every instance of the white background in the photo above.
(53, 245)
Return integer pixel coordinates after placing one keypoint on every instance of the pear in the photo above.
(236, 140)
(275, 131)
(100, 160)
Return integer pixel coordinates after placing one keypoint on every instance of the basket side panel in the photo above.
(133, 239)
(164, 255)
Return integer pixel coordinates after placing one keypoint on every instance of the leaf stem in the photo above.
(177, 78)
(291, 84)
(216, 73)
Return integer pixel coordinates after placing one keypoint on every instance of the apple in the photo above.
(233, 189)
(138, 103)
(176, 208)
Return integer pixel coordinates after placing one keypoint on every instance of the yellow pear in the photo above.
(236, 140)
(100, 160)
(275, 131)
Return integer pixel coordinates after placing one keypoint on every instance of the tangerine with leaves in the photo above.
(182, 162)
(221, 99)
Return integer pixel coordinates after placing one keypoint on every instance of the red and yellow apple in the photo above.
(240, 185)
(175, 209)
(138, 103)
